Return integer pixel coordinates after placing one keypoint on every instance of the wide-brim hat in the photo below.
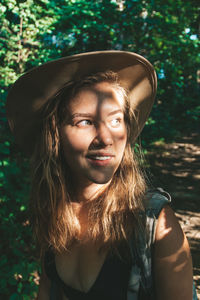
(31, 92)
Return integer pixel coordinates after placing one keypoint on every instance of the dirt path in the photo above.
(176, 168)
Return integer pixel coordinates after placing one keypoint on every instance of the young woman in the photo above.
(101, 234)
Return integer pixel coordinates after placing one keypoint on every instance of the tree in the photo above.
(22, 25)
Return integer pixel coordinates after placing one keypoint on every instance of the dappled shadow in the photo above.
(176, 168)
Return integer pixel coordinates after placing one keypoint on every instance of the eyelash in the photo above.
(79, 123)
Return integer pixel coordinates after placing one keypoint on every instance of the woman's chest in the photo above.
(80, 267)
(88, 273)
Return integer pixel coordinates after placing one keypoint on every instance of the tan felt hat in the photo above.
(33, 90)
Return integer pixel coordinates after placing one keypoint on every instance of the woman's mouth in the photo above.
(100, 160)
(101, 157)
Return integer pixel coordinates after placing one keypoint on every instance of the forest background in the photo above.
(33, 32)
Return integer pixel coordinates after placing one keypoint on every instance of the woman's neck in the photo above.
(82, 190)
(88, 192)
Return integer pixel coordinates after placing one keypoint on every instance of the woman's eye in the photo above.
(115, 122)
(84, 123)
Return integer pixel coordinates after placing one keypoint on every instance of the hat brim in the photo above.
(33, 90)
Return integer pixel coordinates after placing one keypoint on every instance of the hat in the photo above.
(31, 92)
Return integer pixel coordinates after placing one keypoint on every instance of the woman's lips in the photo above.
(100, 160)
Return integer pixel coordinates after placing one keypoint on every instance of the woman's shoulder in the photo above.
(168, 225)
(168, 244)
(172, 258)
(157, 208)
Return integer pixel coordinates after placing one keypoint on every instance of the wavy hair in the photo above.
(114, 214)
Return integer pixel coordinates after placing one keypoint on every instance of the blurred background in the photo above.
(166, 32)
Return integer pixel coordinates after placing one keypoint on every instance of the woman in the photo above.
(101, 234)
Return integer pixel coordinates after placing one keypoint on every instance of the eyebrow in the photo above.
(91, 115)
(115, 112)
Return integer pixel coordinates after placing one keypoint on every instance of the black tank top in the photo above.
(111, 282)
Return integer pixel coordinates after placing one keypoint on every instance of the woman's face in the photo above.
(93, 137)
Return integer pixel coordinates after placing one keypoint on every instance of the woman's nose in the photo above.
(103, 136)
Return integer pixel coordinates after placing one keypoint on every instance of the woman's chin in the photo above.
(97, 177)
(101, 178)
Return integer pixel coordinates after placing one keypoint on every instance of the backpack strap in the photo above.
(156, 200)
(141, 278)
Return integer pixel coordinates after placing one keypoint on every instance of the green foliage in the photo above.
(36, 31)
(18, 266)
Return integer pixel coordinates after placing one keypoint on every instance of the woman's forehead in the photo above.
(102, 94)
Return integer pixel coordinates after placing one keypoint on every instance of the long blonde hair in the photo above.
(114, 215)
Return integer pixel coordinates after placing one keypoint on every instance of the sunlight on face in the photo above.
(94, 134)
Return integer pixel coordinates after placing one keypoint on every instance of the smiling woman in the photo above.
(91, 123)
(101, 233)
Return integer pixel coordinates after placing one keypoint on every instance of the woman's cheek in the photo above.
(120, 134)
(76, 140)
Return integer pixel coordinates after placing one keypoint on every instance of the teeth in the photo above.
(101, 157)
